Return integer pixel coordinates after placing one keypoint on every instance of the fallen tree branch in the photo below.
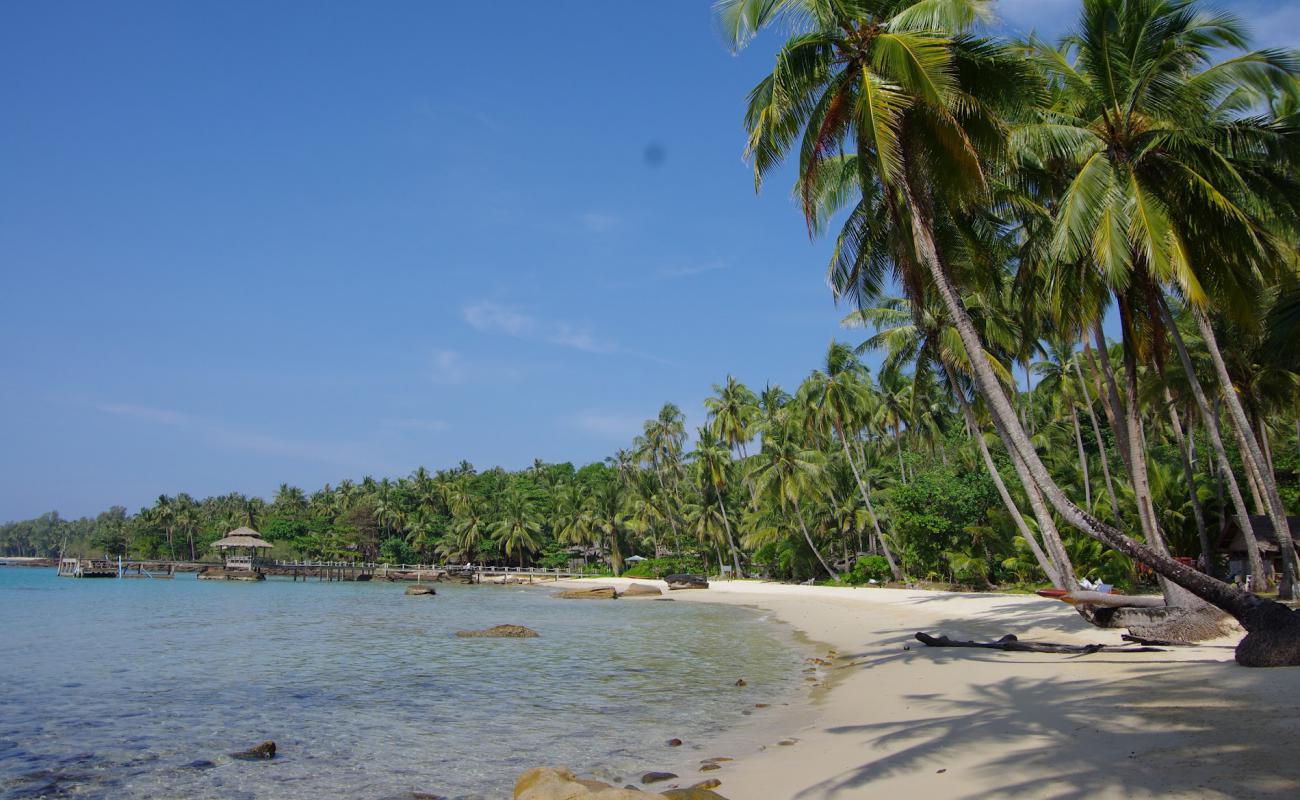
(1128, 637)
(1011, 643)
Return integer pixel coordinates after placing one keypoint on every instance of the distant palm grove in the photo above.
(996, 206)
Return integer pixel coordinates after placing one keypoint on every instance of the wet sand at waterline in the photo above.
(893, 718)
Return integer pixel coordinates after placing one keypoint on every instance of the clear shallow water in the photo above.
(113, 688)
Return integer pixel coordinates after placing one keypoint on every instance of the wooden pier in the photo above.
(107, 568)
(321, 571)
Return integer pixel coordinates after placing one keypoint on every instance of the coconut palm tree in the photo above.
(713, 462)
(786, 473)
(519, 525)
(836, 396)
(922, 108)
(1165, 190)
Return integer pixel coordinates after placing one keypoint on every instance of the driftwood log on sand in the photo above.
(1011, 643)
(1113, 600)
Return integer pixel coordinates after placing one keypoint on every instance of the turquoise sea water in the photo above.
(129, 688)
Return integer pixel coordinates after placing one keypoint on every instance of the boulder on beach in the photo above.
(686, 581)
(641, 590)
(549, 783)
(420, 590)
(593, 593)
(500, 632)
(264, 750)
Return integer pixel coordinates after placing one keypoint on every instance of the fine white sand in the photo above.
(897, 719)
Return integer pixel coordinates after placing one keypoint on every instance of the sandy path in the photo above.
(942, 723)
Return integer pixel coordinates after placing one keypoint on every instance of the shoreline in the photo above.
(893, 716)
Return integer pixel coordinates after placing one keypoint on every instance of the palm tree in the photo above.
(837, 395)
(661, 446)
(786, 473)
(1161, 184)
(519, 526)
(608, 518)
(164, 514)
(921, 108)
(713, 459)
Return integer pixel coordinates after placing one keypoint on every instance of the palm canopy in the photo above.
(1165, 181)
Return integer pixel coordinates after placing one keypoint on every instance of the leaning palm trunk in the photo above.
(1083, 456)
(866, 498)
(1274, 630)
(1256, 465)
(731, 542)
(1050, 569)
(808, 538)
(1046, 524)
(1110, 400)
(1211, 420)
(1101, 446)
(1189, 474)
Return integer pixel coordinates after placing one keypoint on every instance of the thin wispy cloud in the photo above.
(448, 368)
(161, 416)
(492, 317)
(599, 221)
(691, 270)
(221, 436)
(411, 424)
(619, 427)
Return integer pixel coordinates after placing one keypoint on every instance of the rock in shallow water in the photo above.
(594, 593)
(641, 590)
(420, 590)
(656, 777)
(264, 750)
(500, 632)
(547, 783)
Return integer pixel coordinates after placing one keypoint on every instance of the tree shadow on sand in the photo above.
(1198, 727)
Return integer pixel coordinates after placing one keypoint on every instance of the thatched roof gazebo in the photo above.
(239, 553)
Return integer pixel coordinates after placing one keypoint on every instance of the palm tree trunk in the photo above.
(1190, 475)
(1046, 525)
(1110, 402)
(866, 498)
(807, 538)
(1047, 565)
(1253, 456)
(1101, 446)
(898, 443)
(1265, 444)
(1210, 418)
(1139, 478)
(672, 512)
(1083, 457)
(731, 542)
(1254, 612)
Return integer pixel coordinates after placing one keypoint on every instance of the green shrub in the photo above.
(668, 565)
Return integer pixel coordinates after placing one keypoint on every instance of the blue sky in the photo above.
(245, 243)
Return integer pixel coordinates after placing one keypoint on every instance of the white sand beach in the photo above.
(897, 719)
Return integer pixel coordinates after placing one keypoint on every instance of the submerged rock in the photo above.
(593, 593)
(500, 632)
(674, 742)
(201, 763)
(656, 777)
(264, 750)
(420, 590)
